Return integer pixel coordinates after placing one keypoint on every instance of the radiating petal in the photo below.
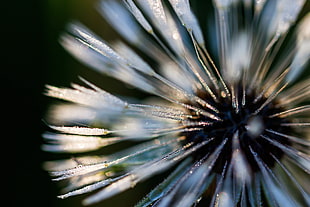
(188, 19)
(164, 187)
(141, 173)
(303, 49)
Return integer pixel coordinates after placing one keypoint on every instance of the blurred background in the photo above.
(32, 58)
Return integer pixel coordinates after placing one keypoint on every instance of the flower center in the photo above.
(244, 129)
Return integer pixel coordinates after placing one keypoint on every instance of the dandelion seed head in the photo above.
(231, 124)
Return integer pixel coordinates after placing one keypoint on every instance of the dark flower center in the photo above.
(248, 127)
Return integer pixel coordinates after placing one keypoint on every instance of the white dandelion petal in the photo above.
(243, 197)
(180, 77)
(117, 187)
(155, 10)
(295, 94)
(291, 138)
(80, 130)
(132, 7)
(163, 188)
(300, 60)
(86, 37)
(223, 4)
(134, 60)
(287, 13)
(72, 170)
(301, 159)
(103, 64)
(295, 183)
(229, 189)
(56, 166)
(141, 155)
(75, 183)
(124, 69)
(158, 110)
(224, 200)
(248, 3)
(147, 151)
(191, 189)
(283, 14)
(141, 173)
(164, 22)
(121, 20)
(254, 191)
(302, 177)
(80, 169)
(144, 128)
(108, 61)
(191, 184)
(219, 185)
(89, 55)
(84, 53)
(238, 58)
(136, 156)
(274, 190)
(89, 188)
(223, 30)
(276, 195)
(259, 4)
(303, 49)
(188, 19)
(76, 143)
(292, 111)
(240, 167)
(70, 113)
(98, 55)
(88, 97)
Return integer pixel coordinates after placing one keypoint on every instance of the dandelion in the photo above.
(231, 114)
